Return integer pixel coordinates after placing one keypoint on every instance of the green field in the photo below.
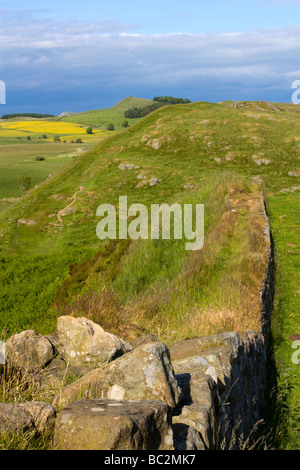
(200, 152)
(100, 118)
(19, 160)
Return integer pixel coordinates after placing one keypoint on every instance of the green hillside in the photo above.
(102, 117)
(52, 262)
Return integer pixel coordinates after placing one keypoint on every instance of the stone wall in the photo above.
(224, 378)
(201, 393)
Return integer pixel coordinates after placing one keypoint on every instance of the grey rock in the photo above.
(13, 418)
(114, 425)
(67, 211)
(127, 166)
(145, 373)
(43, 415)
(150, 338)
(187, 437)
(84, 343)
(57, 375)
(156, 144)
(29, 349)
(17, 417)
(154, 181)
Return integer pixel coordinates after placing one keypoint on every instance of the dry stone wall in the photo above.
(199, 394)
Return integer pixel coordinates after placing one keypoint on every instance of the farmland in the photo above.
(27, 148)
(14, 130)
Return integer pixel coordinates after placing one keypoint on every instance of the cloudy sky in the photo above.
(75, 55)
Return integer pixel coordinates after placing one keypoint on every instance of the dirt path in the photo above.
(60, 213)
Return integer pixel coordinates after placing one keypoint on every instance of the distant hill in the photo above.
(67, 114)
(103, 117)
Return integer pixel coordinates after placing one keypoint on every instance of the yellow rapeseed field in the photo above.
(44, 127)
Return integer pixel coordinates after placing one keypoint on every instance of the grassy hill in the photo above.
(52, 262)
(102, 117)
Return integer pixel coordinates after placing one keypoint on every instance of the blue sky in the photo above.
(72, 55)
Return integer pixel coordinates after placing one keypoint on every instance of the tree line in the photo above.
(171, 100)
(159, 101)
(33, 115)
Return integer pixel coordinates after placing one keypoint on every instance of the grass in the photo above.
(24, 440)
(20, 160)
(28, 289)
(284, 215)
(100, 118)
(157, 286)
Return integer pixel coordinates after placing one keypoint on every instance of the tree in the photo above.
(89, 130)
(28, 137)
(24, 183)
(170, 100)
(110, 127)
(125, 123)
(138, 112)
(78, 141)
(56, 138)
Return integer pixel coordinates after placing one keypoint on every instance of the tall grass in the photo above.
(157, 286)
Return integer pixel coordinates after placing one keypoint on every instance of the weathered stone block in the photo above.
(145, 373)
(114, 425)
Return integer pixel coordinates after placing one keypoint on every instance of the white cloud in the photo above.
(61, 55)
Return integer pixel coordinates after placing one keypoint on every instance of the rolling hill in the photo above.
(102, 117)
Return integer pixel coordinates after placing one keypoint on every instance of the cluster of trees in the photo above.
(171, 100)
(142, 111)
(33, 115)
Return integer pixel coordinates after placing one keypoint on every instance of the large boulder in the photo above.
(114, 425)
(84, 343)
(29, 350)
(145, 373)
